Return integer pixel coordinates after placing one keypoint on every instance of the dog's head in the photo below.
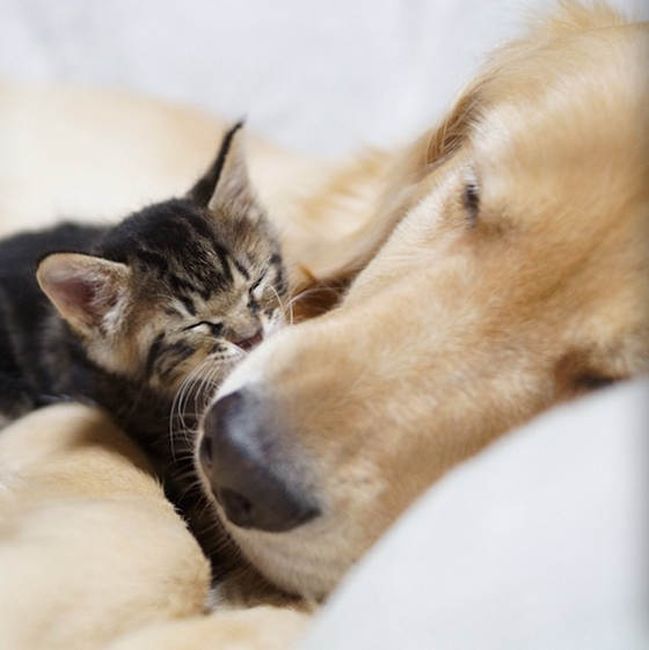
(515, 279)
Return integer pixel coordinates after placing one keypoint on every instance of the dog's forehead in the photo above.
(562, 170)
(601, 72)
(588, 145)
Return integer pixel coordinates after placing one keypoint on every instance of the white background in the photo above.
(323, 76)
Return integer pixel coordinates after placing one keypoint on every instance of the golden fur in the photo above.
(514, 279)
(81, 524)
(461, 324)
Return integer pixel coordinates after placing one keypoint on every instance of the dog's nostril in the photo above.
(253, 481)
(237, 506)
(205, 451)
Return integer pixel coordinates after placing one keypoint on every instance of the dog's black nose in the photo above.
(250, 477)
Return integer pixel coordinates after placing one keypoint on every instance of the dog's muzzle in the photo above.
(242, 455)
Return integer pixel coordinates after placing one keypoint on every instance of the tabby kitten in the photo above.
(180, 289)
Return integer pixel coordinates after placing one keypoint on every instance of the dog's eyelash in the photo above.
(593, 381)
(471, 201)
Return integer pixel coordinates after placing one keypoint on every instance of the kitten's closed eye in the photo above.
(215, 328)
(255, 288)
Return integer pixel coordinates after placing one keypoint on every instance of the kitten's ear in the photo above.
(225, 188)
(85, 290)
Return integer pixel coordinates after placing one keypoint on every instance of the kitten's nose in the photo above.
(252, 480)
(251, 341)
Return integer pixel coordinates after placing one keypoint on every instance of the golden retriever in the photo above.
(506, 271)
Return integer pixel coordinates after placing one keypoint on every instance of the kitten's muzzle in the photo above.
(251, 341)
(253, 480)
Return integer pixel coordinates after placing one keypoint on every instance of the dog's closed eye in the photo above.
(577, 374)
(471, 201)
(589, 381)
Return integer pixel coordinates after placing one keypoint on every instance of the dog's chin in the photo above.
(289, 564)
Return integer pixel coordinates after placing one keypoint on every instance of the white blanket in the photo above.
(537, 543)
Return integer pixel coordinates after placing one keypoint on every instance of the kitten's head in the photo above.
(190, 280)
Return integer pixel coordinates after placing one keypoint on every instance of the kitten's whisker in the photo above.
(311, 290)
(179, 403)
(199, 385)
(206, 388)
(285, 309)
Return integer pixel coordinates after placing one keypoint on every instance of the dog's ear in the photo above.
(447, 138)
(409, 168)
(88, 292)
(225, 188)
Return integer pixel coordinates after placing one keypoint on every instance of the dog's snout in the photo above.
(239, 455)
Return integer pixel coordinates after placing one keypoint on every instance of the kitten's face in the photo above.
(202, 318)
(182, 289)
(221, 329)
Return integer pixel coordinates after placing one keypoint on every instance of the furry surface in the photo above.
(89, 546)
